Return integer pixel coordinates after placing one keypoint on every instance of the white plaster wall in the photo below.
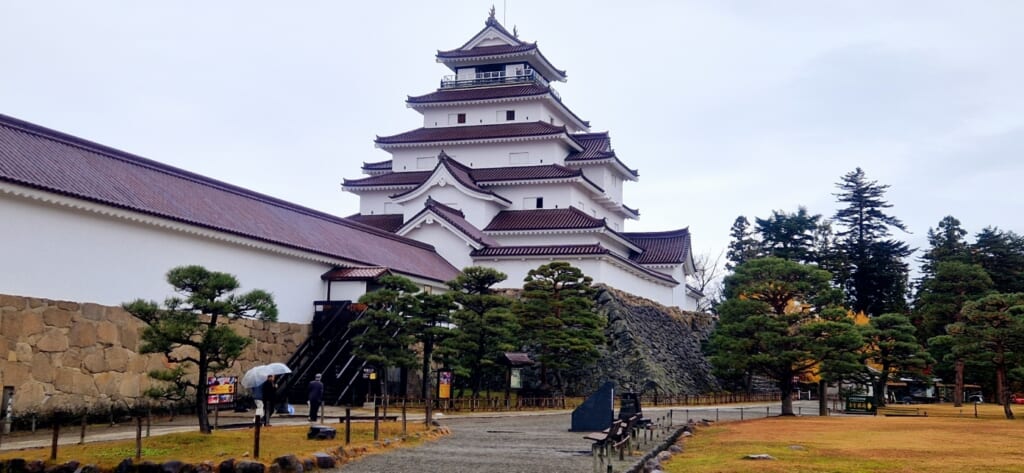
(374, 202)
(608, 179)
(486, 114)
(477, 212)
(599, 270)
(347, 290)
(486, 155)
(62, 253)
(450, 246)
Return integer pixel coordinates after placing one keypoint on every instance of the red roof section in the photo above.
(472, 132)
(543, 219)
(476, 175)
(388, 222)
(409, 178)
(596, 147)
(565, 250)
(45, 159)
(670, 247)
(354, 274)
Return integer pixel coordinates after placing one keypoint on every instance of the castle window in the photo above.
(533, 203)
(510, 115)
(455, 118)
(426, 162)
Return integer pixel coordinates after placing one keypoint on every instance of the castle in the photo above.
(503, 174)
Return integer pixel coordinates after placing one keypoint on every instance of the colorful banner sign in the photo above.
(444, 385)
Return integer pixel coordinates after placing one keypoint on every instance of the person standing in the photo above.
(316, 397)
(269, 389)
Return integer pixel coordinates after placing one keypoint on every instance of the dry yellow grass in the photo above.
(858, 444)
(193, 447)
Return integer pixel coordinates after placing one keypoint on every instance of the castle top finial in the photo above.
(491, 21)
(515, 31)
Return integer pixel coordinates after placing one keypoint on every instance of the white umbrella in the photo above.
(258, 374)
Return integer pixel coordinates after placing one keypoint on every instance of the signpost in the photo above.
(860, 404)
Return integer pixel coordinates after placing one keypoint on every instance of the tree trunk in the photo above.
(822, 401)
(1002, 394)
(958, 387)
(428, 349)
(201, 394)
(786, 388)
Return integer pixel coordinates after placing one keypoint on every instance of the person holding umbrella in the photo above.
(269, 391)
(316, 397)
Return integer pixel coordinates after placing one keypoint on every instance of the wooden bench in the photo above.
(619, 436)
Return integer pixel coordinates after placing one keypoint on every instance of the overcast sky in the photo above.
(725, 108)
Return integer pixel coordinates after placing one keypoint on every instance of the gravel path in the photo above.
(532, 443)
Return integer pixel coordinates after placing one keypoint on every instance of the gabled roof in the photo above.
(44, 159)
(543, 219)
(481, 47)
(455, 218)
(388, 222)
(475, 132)
(458, 171)
(670, 247)
(597, 147)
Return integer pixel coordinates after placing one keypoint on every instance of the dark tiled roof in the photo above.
(457, 219)
(480, 93)
(44, 159)
(543, 219)
(378, 166)
(354, 274)
(388, 222)
(596, 147)
(556, 251)
(472, 132)
(411, 178)
(487, 51)
(548, 250)
(671, 247)
(518, 173)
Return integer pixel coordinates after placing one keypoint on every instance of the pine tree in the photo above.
(384, 339)
(946, 244)
(743, 246)
(430, 326)
(992, 333)
(1001, 253)
(765, 324)
(875, 278)
(485, 326)
(195, 322)
(559, 322)
(893, 347)
(789, 235)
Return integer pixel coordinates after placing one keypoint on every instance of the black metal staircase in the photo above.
(328, 351)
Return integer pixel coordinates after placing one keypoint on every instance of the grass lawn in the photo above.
(949, 439)
(193, 447)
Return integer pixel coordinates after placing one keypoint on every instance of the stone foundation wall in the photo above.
(67, 355)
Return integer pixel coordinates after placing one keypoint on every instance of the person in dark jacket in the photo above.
(269, 389)
(316, 397)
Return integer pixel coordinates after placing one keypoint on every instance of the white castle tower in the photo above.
(503, 174)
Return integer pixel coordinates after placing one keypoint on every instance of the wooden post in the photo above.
(404, 431)
(138, 437)
(348, 426)
(256, 437)
(376, 422)
(81, 435)
(56, 433)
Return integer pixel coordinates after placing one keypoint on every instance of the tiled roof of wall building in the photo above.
(44, 159)
(472, 132)
(377, 167)
(670, 247)
(361, 273)
(387, 222)
(543, 219)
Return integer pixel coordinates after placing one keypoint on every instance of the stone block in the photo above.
(107, 333)
(23, 352)
(69, 306)
(73, 381)
(42, 369)
(13, 302)
(131, 385)
(83, 334)
(57, 317)
(53, 340)
(15, 373)
(117, 358)
(23, 325)
(108, 383)
(28, 396)
(93, 312)
(93, 362)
